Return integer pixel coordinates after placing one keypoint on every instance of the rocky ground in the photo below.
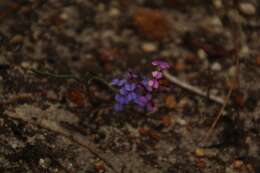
(61, 125)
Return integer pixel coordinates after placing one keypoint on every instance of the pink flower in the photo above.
(153, 83)
(157, 74)
(161, 64)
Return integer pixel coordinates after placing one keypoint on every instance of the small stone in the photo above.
(17, 39)
(202, 54)
(216, 66)
(43, 163)
(26, 65)
(237, 164)
(212, 24)
(181, 122)
(244, 51)
(232, 72)
(149, 47)
(218, 4)
(199, 152)
(257, 60)
(247, 8)
(114, 12)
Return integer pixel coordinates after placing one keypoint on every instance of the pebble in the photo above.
(232, 71)
(17, 39)
(149, 47)
(216, 66)
(247, 8)
(202, 54)
(218, 4)
(114, 12)
(212, 24)
(244, 51)
(199, 152)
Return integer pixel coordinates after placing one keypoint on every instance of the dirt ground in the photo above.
(50, 125)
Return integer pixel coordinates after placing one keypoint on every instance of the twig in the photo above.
(192, 89)
(222, 109)
(237, 43)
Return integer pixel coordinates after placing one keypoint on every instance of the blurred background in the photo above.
(201, 39)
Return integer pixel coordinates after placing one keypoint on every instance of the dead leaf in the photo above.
(76, 96)
(99, 166)
(152, 23)
(200, 163)
(166, 120)
(143, 131)
(170, 102)
(257, 60)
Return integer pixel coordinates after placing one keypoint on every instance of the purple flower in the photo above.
(131, 96)
(129, 87)
(157, 74)
(118, 82)
(142, 101)
(153, 83)
(123, 91)
(121, 99)
(161, 64)
(134, 89)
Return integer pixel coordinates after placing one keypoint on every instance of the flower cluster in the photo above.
(133, 89)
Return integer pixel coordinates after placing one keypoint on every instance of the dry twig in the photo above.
(237, 43)
(192, 89)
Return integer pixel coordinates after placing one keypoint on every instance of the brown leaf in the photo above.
(170, 102)
(166, 120)
(257, 60)
(76, 96)
(143, 131)
(232, 83)
(200, 163)
(99, 166)
(152, 23)
(239, 99)
(155, 135)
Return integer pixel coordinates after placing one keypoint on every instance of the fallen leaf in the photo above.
(76, 96)
(237, 164)
(166, 120)
(143, 131)
(232, 83)
(155, 135)
(170, 102)
(239, 100)
(179, 66)
(257, 60)
(200, 163)
(99, 166)
(152, 23)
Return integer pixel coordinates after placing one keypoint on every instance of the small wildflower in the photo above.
(157, 74)
(153, 83)
(133, 89)
(161, 64)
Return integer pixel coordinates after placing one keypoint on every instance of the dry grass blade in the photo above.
(192, 89)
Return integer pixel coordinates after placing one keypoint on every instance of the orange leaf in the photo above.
(166, 121)
(152, 23)
(257, 60)
(76, 97)
(170, 102)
